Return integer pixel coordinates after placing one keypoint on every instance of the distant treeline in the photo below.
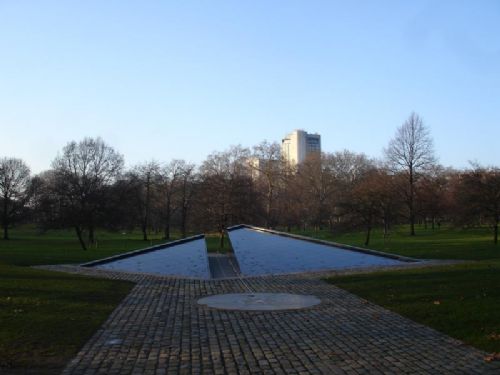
(88, 188)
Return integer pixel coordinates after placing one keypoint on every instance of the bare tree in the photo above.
(226, 191)
(410, 152)
(266, 164)
(186, 192)
(433, 195)
(145, 179)
(479, 196)
(370, 200)
(290, 202)
(45, 201)
(317, 185)
(348, 168)
(170, 175)
(14, 190)
(83, 173)
(326, 182)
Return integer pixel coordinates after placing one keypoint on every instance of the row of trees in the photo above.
(88, 188)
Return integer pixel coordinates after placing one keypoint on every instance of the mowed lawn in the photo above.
(462, 300)
(28, 246)
(444, 243)
(46, 317)
(213, 243)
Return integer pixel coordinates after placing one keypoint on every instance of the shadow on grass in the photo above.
(462, 301)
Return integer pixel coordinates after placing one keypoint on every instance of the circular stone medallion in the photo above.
(259, 301)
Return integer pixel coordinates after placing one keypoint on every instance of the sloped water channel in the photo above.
(188, 259)
(263, 253)
(256, 253)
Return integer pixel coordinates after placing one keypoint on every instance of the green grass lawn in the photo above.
(28, 247)
(462, 301)
(444, 243)
(46, 317)
(213, 243)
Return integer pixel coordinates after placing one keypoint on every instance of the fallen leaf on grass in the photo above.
(492, 357)
(494, 336)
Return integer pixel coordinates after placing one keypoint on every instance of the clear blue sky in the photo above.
(180, 79)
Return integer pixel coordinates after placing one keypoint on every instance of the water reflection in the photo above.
(186, 259)
(260, 253)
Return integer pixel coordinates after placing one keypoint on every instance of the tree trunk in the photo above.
(167, 231)
(91, 235)
(5, 220)
(183, 221)
(495, 230)
(167, 221)
(146, 209)
(412, 223)
(221, 245)
(269, 203)
(184, 206)
(80, 237)
(368, 232)
(411, 203)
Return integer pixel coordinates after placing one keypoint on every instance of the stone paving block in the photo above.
(160, 329)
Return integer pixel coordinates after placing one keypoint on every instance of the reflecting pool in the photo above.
(262, 253)
(185, 259)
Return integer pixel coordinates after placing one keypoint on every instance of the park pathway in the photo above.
(159, 329)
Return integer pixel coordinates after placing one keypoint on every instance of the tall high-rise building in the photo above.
(297, 145)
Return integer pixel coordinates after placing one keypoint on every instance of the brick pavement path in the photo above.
(159, 329)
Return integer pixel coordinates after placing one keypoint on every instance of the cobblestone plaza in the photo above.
(160, 329)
